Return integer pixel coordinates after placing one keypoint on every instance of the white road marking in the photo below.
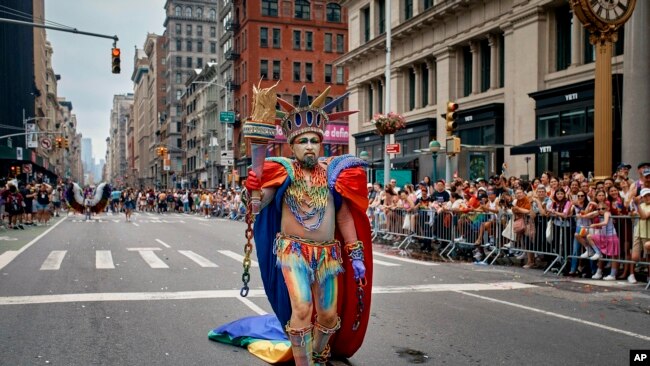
(251, 305)
(163, 243)
(215, 294)
(141, 249)
(152, 259)
(136, 224)
(237, 257)
(382, 263)
(563, 317)
(54, 260)
(104, 259)
(414, 261)
(10, 255)
(200, 260)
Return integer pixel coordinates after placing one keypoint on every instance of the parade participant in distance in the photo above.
(312, 238)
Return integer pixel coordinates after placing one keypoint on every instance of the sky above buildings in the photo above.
(84, 62)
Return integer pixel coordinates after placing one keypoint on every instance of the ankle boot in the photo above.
(322, 336)
(301, 344)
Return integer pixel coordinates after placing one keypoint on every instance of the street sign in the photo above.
(46, 143)
(19, 153)
(227, 158)
(227, 117)
(27, 168)
(393, 148)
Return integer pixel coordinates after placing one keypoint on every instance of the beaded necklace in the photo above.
(307, 202)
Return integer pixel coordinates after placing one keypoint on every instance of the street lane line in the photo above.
(104, 259)
(382, 263)
(198, 259)
(152, 259)
(163, 243)
(10, 255)
(215, 294)
(407, 260)
(252, 305)
(54, 260)
(564, 317)
(136, 224)
(141, 249)
(237, 257)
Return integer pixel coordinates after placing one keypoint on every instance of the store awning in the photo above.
(403, 161)
(553, 144)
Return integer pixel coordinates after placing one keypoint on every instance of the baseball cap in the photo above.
(641, 165)
(645, 191)
(646, 172)
(624, 166)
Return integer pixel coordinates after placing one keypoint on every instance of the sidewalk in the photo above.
(16, 239)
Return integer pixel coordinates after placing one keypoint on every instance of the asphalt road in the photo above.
(108, 292)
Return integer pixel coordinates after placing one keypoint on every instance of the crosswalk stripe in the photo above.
(104, 259)
(238, 257)
(407, 260)
(54, 260)
(152, 259)
(382, 263)
(198, 259)
(163, 243)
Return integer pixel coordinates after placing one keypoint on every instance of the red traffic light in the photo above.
(116, 52)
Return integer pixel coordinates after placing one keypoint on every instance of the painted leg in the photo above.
(322, 336)
(327, 320)
(301, 344)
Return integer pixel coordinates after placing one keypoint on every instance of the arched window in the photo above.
(178, 11)
(333, 12)
(302, 9)
(188, 12)
(199, 13)
(213, 14)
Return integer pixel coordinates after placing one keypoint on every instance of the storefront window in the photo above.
(573, 122)
(548, 126)
(590, 119)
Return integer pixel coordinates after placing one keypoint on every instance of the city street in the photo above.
(107, 292)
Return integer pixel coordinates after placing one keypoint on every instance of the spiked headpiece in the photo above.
(305, 117)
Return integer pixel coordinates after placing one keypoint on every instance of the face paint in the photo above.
(306, 148)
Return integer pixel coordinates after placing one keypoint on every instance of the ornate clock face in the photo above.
(610, 11)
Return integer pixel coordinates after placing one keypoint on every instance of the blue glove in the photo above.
(359, 269)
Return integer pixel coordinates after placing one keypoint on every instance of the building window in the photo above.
(199, 62)
(371, 100)
(178, 29)
(424, 73)
(178, 11)
(328, 42)
(199, 46)
(189, 62)
(408, 9)
(264, 37)
(276, 69)
(296, 99)
(333, 12)
(427, 4)
(188, 29)
(276, 38)
(309, 41)
(213, 14)
(619, 45)
(381, 8)
(365, 15)
(179, 61)
(213, 32)
(328, 73)
(502, 60)
(411, 89)
(264, 69)
(270, 8)
(296, 71)
(179, 94)
(467, 71)
(213, 47)
(340, 43)
(339, 74)
(590, 50)
(179, 46)
(309, 68)
(199, 30)
(563, 19)
(199, 13)
(188, 12)
(380, 98)
(296, 39)
(485, 65)
(179, 78)
(302, 9)
(189, 46)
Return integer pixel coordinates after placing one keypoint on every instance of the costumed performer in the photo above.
(313, 239)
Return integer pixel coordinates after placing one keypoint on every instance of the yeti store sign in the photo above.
(545, 149)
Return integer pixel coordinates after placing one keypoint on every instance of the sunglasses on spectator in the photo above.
(581, 195)
(602, 209)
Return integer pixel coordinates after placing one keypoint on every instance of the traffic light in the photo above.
(450, 117)
(115, 60)
(66, 143)
(58, 142)
(18, 170)
(13, 171)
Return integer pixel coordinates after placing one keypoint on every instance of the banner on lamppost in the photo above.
(31, 138)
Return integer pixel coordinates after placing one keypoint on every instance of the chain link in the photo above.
(248, 248)
(360, 307)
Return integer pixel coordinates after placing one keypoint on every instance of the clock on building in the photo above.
(603, 15)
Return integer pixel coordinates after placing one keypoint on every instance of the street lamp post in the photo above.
(365, 157)
(434, 147)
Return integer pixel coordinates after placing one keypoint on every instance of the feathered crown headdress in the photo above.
(306, 117)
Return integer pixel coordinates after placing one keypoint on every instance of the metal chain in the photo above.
(248, 248)
(360, 306)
